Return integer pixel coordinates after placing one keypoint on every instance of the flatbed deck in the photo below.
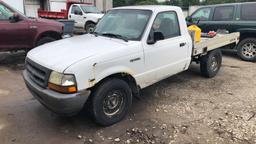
(208, 44)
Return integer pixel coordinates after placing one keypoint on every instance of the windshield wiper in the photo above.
(115, 36)
(95, 34)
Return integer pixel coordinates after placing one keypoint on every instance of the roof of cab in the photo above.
(151, 7)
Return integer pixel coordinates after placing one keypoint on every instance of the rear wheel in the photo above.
(89, 27)
(111, 101)
(247, 49)
(211, 63)
(44, 40)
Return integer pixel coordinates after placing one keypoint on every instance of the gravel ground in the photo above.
(182, 109)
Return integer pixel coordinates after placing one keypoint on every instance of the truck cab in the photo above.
(85, 16)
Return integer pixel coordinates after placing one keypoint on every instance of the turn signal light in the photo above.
(62, 89)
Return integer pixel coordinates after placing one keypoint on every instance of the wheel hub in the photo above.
(249, 50)
(113, 102)
(214, 65)
(90, 29)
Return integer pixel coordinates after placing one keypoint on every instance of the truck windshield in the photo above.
(90, 9)
(130, 24)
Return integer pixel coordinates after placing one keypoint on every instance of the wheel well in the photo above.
(127, 78)
(89, 22)
(51, 34)
(245, 35)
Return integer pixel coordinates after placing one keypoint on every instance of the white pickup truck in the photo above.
(85, 16)
(130, 49)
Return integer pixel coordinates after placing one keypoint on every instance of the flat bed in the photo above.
(208, 44)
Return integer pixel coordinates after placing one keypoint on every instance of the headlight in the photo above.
(64, 83)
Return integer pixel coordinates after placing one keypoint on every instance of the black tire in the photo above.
(246, 49)
(111, 101)
(45, 40)
(211, 63)
(89, 27)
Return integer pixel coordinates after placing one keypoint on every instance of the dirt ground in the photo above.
(182, 109)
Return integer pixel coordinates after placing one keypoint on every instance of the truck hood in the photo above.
(46, 22)
(61, 54)
(95, 15)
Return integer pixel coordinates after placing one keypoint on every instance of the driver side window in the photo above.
(5, 13)
(167, 24)
(76, 10)
(203, 14)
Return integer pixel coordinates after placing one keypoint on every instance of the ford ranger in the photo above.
(130, 49)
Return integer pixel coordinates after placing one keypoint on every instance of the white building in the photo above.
(30, 7)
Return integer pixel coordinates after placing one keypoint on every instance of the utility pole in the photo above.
(104, 5)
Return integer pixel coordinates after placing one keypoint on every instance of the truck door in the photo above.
(76, 14)
(169, 55)
(13, 35)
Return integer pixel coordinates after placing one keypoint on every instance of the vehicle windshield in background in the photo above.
(130, 24)
(90, 9)
(5, 13)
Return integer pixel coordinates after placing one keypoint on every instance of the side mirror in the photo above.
(14, 18)
(154, 37)
(189, 19)
(78, 12)
(192, 20)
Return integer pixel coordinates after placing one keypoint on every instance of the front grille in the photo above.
(37, 73)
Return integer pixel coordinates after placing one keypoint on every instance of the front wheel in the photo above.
(90, 27)
(247, 49)
(211, 63)
(111, 101)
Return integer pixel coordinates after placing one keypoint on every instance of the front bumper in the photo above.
(63, 104)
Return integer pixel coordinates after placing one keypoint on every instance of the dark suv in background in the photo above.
(18, 32)
(235, 17)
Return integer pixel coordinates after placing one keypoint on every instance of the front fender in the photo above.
(89, 74)
(102, 74)
(91, 19)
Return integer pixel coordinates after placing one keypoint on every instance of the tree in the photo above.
(117, 3)
(146, 2)
(181, 3)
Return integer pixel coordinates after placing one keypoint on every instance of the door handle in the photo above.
(135, 59)
(69, 16)
(182, 44)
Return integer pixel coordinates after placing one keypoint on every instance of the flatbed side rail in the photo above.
(220, 40)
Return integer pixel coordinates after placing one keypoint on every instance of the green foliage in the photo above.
(117, 3)
(208, 2)
(146, 2)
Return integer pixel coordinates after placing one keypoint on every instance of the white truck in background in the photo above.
(130, 49)
(85, 16)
